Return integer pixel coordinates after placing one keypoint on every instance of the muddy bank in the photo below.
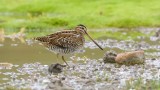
(89, 74)
(87, 71)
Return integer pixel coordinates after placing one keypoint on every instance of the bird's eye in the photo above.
(82, 27)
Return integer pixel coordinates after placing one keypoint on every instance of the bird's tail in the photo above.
(42, 39)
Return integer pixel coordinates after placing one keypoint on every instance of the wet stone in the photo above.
(156, 37)
(131, 58)
(6, 65)
(55, 68)
(157, 34)
(127, 58)
(57, 84)
(153, 59)
(109, 57)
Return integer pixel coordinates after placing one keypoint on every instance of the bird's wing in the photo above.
(66, 39)
(47, 38)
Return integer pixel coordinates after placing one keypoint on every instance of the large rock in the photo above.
(127, 58)
(130, 58)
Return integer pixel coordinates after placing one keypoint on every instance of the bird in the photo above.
(66, 41)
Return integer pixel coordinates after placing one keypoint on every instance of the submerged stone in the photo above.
(55, 68)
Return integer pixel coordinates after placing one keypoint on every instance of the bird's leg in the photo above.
(57, 57)
(64, 60)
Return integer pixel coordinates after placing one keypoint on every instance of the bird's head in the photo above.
(83, 30)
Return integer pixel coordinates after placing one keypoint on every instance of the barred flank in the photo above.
(61, 50)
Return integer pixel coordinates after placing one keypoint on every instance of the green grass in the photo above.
(46, 14)
(99, 34)
(120, 35)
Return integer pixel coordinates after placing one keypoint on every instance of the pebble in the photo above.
(109, 57)
(55, 68)
(157, 34)
(6, 65)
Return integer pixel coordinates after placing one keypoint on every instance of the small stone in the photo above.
(6, 65)
(123, 82)
(109, 57)
(55, 84)
(63, 78)
(157, 34)
(131, 58)
(56, 81)
(55, 68)
(153, 59)
(90, 82)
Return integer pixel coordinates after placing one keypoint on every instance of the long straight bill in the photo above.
(94, 41)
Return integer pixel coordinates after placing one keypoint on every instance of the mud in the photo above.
(87, 71)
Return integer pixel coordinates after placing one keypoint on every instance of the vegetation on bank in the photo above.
(96, 34)
(47, 14)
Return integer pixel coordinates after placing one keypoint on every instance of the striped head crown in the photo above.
(81, 28)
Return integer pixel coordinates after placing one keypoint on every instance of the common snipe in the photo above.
(66, 42)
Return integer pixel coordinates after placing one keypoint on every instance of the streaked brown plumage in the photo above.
(66, 42)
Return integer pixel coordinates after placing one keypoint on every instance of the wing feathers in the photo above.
(64, 39)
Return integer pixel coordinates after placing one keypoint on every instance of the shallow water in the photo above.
(31, 57)
(19, 53)
(13, 51)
